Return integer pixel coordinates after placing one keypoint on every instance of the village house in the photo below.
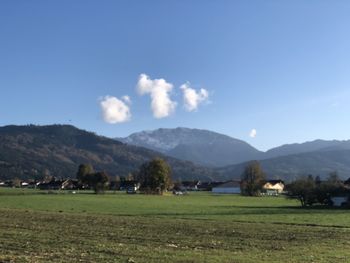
(131, 184)
(70, 184)
(52, 185)
(273, 187)
(190, 185)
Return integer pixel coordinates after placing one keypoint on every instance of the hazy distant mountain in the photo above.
(296, 148)
(286, 162)
(30, 151)
(198, 146)
(290, 167)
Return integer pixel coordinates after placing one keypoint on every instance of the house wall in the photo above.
(279, 187)
(226, 190)
(338, 201)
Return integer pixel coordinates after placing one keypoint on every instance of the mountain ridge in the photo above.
(31, 151)
(200, 146)
(290, 167)
(282, 162)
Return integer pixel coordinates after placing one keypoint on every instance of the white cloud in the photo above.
(252, 133)
(192, 98)
(126, 99)
(114, 110)
(159, 90)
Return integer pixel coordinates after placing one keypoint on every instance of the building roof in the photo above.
(273, 182)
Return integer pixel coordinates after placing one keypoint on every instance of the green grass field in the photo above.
(199, 227)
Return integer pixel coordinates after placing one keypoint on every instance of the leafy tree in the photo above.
(83, 171)
(252, 179)
(331, 187)
(47, 177)
(16, 183)
(130, 177)
(334, 178)
(97, 181)
(155, 176)
(303, 189)
(309, 191)
(318, 180)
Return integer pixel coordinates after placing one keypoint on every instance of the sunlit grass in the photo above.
(198, 227)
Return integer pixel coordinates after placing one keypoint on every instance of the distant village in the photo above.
(269, 188)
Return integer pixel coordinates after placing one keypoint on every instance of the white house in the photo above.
(230, 187)
(273, 187)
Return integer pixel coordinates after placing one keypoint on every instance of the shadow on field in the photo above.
(255, 210)
(315, 207)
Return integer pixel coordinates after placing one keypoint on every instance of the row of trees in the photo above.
(154, 177)
(309, 190)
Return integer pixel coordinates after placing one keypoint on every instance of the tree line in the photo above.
(154, 177)
(308, 190)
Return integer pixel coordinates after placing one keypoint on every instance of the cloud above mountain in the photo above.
(253, 133)
(159, 90)
(115, 110)
(192, 98)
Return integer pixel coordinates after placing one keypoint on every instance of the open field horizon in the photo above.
(198, 227)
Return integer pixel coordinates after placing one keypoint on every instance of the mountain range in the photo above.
(202, 147)
(33, 151)
(228, 156)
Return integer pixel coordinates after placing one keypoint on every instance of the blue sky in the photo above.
(279, 67)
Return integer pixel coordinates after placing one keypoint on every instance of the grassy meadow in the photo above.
(198, 227)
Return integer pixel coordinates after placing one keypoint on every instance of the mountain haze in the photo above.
(290, 167)
(316, 145)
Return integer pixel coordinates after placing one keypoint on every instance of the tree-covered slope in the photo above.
(33, 151)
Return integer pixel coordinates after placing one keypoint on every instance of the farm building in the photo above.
(273, 187)
(190, 185)
(230, 187)
(70, 184)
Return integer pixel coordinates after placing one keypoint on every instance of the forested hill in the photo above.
(33, 151)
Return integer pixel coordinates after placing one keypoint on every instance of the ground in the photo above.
(199, 227)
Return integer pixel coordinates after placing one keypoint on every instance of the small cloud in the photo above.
(252, 133)
(115, 110)
(159, 90)
(126, 99)
(192, 98)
